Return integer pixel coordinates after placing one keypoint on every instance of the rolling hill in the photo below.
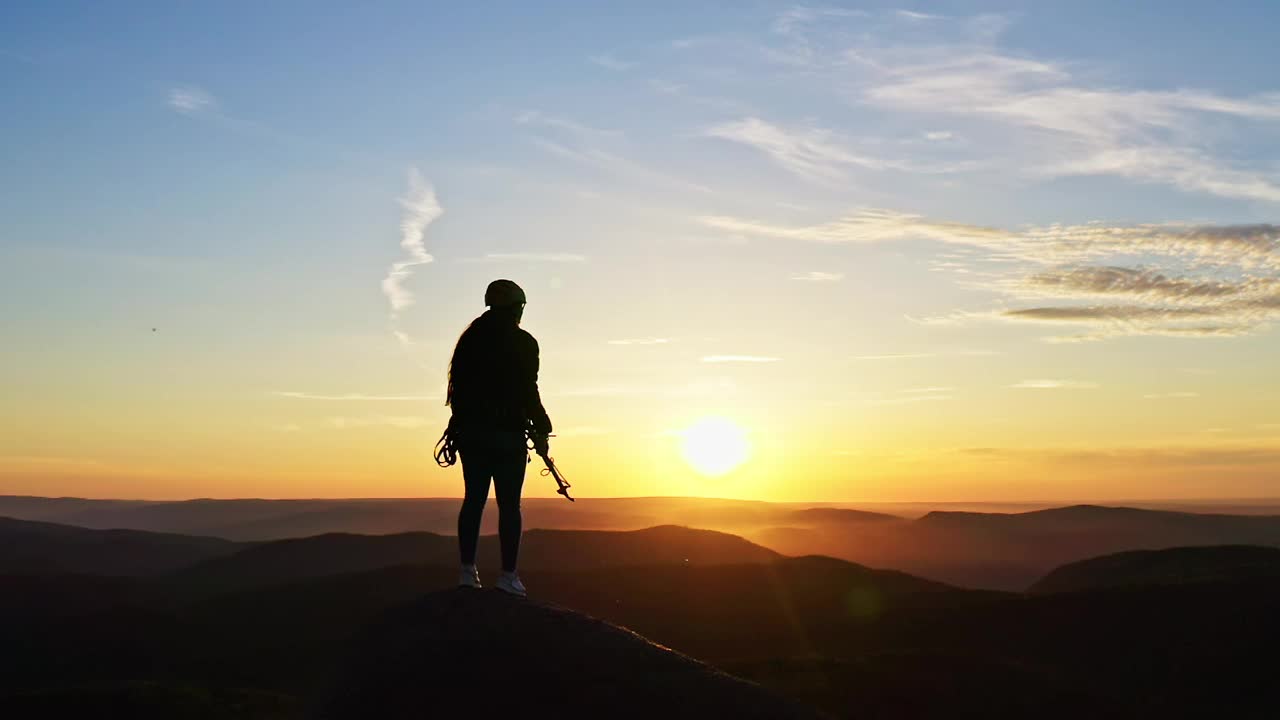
(39, 547)
(1174, 566)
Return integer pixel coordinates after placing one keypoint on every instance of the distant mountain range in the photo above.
(251, 519)
(1009, 551)
(1005, 551)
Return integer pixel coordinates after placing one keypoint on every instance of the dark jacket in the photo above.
(493, 377)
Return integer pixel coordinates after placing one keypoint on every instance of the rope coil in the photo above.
(447, 449)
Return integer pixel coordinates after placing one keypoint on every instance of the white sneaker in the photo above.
(509, 582)
(469, 577)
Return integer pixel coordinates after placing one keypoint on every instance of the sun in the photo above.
(714, 445)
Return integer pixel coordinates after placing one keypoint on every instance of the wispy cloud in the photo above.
(917, 16)
(534, 257)
(907, 396)
(1112, 313)
(1147, 458)
(894, 356)
(739, 359)
(619, 166)
(667, 88)
(909, 399)
(818, 276)
(1072, 128)
(1027, 116)
(420, 209)
(940, 353)
(1108, 321)
(641, 341)
(609, 62)
(190, 100)
(810, 153)
(196, 102)
(353, 396)
(815, 153)
(701, 388)
(1194, 280)
(1183, 168)
(52, 461)
(1115, 330)
(865, 226)
(796, 17)
(534, 117)
(1138, 282)
(402, 422)
(601, 391)
(684, 92)
(1055, 385)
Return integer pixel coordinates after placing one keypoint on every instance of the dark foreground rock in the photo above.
(466, 653)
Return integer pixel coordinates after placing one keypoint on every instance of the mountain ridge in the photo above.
(38, 546)
(1169, 566)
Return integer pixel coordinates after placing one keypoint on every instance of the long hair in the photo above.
(477, 341)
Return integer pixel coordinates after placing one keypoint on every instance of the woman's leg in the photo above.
(477, 469)
(508, 482)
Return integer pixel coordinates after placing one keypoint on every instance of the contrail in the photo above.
(420, 209)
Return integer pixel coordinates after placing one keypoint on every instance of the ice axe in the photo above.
(541, 449)
(554, 472)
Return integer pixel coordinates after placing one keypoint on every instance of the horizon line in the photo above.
(1063, 502)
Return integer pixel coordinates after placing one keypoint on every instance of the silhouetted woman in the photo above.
(493, 390)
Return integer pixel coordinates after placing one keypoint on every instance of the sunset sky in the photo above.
(913, 251)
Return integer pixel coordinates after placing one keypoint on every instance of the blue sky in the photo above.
(721, 208)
